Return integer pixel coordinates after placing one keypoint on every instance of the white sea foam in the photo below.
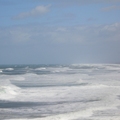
(90, 92)
(17, 78)
(9, 69)
(8, 92)
(60, 69)
(41, 68)
(83, 114)
(113, 67)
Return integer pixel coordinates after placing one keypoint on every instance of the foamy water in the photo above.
(60, 92)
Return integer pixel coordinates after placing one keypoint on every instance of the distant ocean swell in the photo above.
(60, 92)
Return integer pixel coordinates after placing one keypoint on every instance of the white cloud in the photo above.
(74, 34)
(114, 7)
(37, 11)
(85, 34)
(19, 35)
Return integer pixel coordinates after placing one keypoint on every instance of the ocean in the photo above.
(60, 92)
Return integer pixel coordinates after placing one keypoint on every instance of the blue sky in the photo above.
(59, 31)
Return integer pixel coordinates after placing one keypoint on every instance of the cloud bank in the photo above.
(37, 11)
(45, 44)
(74, 34)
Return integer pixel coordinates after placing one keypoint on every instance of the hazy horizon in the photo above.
(59, 32)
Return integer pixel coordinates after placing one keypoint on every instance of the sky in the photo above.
(59, 31)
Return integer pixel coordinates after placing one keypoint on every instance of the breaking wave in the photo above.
(60, 92)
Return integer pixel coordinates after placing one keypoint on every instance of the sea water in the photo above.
(60, 92)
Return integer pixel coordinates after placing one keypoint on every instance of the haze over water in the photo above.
(59, 31)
